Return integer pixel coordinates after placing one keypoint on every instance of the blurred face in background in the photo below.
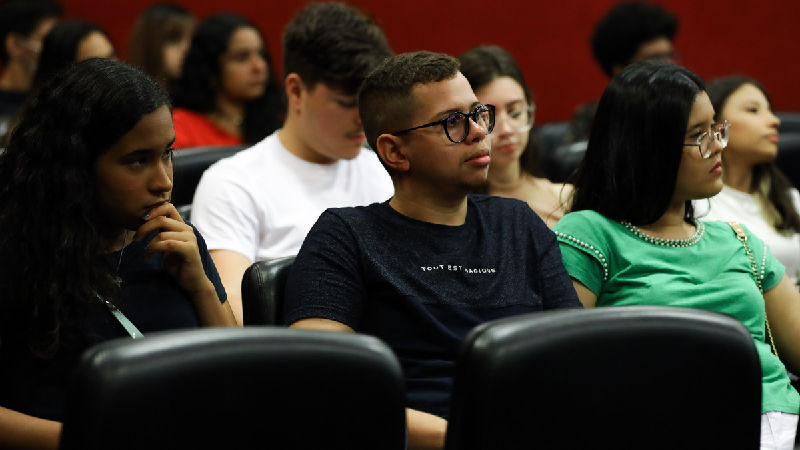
(174, 52)
(243, 66)
(95, 45)
(514, 118)
(754, 128)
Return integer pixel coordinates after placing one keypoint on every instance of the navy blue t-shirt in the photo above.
(422, 287)
(149, 297)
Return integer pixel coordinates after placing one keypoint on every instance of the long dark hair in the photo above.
(482, 65)
(159, 25)
(49, 215)
(631, 164)
(60, 46)
(769, 183)
(200, 81)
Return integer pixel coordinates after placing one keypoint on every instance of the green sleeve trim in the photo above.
(589, 249)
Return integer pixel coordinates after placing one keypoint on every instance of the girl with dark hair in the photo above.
(632, 239)
(93, 248)
(69, 42)
(755, 191)
(159, 41)
(514, 172)
(227, 93)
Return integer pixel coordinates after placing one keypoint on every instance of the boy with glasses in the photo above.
(422, 269)
(259, 204)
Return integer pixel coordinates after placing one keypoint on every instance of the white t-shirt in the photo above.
(732, 205)
(262, 201)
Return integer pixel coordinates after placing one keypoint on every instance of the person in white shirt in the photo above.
(755, 192)
(260, 204)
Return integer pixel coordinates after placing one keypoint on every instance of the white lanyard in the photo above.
(124, 321)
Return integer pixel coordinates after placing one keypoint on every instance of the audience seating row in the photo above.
(250, 388)
(559, 159)
(623, 378)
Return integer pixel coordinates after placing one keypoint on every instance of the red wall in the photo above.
(549, 39)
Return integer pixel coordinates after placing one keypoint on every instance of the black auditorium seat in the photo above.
(637, 377)
(263, 288)
(789, 156)
(790, 122)
(237, 388)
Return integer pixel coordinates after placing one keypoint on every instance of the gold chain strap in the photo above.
(742, 236)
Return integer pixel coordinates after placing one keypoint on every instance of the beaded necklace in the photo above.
(694, 239)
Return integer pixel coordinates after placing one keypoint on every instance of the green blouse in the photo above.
(709, 271)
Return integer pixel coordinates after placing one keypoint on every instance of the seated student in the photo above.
(755, 191)
(259, 204)
(87, 229)
(631, 31)
(23, 26)
(632, 238)
(227, 93)
(422, 269)
(159, 41)
(71, 41)
(497, 80)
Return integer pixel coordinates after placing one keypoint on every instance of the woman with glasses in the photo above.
(631, 237)
(227, 93)
(92, 248)
(514, 172)
(755, 191)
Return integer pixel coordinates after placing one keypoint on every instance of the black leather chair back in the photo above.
(251, 388)
(188, 166)
(790, 122)
(651, 378)
(263, 287)
(789, 156)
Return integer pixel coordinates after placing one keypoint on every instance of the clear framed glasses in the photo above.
(456, 125)
(520, 118)
(720, 132)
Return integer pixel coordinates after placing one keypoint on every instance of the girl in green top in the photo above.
(631, 237)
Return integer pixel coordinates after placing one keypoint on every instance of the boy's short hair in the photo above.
(619, 34)
(385, 100)
(23, 17)
(333, 43)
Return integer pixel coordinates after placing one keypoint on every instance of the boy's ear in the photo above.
(392, 151)
(295, 89)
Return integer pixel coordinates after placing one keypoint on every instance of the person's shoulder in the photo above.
(357, 213)
(246, 161)
(183, 116)
(793, 192)
(583, 218)
(491, 202)
(354, 218)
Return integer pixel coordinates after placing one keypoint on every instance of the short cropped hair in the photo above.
(333, 43)
(385, 100)
(23, 17)
(631, 164)
(618, 36)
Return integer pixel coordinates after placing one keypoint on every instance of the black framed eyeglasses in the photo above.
(720, 133)
(456, 125)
